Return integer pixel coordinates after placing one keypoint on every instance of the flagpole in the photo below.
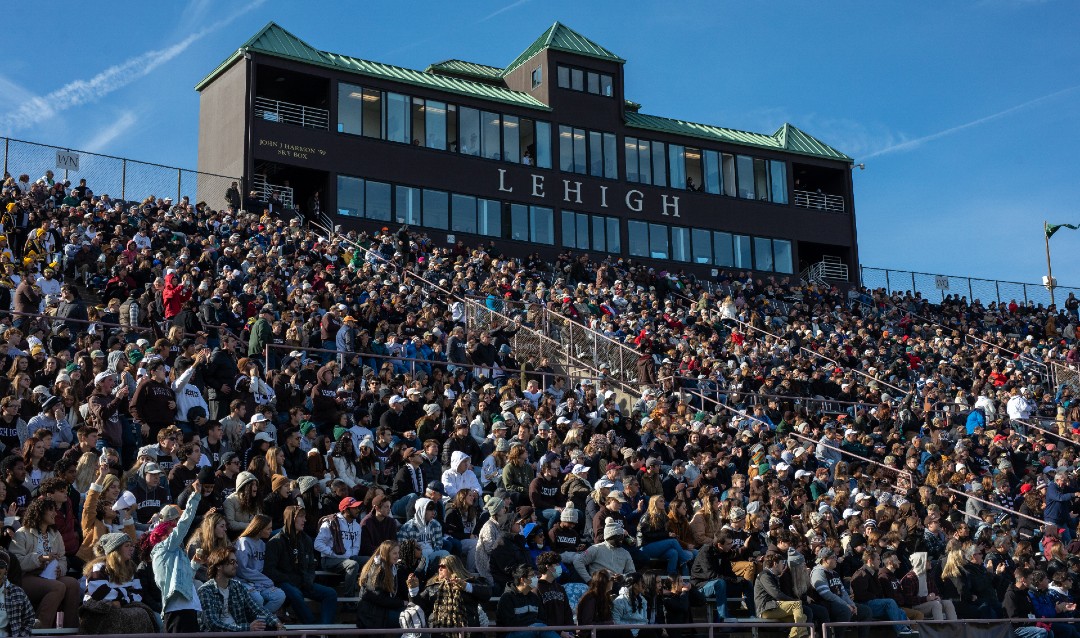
(1049, 270)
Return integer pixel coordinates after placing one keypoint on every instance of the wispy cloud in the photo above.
(512, 5)
(101, 140)
(919, 141)
(37, 109)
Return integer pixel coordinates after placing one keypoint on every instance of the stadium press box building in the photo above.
(544, 154)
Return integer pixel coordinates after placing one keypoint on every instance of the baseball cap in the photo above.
(348, 502)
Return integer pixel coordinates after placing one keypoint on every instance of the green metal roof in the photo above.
(461, 67)
(786, 138)
(275, 41)
(562, 38)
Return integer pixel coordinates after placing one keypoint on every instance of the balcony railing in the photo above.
(284, 194)
(828, 268)
(819, 201)
(287, 113)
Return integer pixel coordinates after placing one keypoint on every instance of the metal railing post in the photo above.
(971, 295)
(997, 290)
(888, 286)
(1025, 294)
(913, 285)
(179, 177)
(123, 179)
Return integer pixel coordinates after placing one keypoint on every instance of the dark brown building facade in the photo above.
(544, 154)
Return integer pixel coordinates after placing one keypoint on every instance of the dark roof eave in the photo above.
(845, 159)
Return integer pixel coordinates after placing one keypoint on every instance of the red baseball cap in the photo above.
(348, 502)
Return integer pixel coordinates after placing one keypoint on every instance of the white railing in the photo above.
(287, 113)
(265, 189)
(819, 201)
(827, 268)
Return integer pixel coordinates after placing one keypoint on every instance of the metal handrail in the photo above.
(142, 329)
(819, 201)
(289, 113)
(837, 627)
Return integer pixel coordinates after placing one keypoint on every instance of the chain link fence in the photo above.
(118, 177)
(936, 287)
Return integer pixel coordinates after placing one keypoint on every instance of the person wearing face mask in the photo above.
(554, 604)
(519, 606)
(771, 602)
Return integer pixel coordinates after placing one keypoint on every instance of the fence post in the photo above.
(179, 174)
(888, 286)
(7, 142)
(1025, 293)
(971, 295)
(997, 290)
(123, 179)
(913, 285)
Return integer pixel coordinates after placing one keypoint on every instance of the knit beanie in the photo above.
(612, 528)
(279, 481)
(569, 514)
(111, 542)
(494, 505)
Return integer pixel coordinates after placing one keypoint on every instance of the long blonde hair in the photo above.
(205, 539)
(454, 566)
(120, 571)
(954, 562)
(378, 572)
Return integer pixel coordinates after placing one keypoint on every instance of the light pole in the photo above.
(1049, 270)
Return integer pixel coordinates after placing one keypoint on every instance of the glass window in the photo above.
(527, 141)
(419, 138)
(569, 225)
(722, 253)
(680, 243)
(451, 128)
(463, 214)
(611, 156)
(519, 222)
(745, 165)
(701, 241)
(658, 241)
(566, 149)
(489, 217)
(676, 157)
(782, 256)
(435, 122)
(373, 113)
(761, 179)
(593, 83)
(397, 118)
(469, 131)
(643, 152)
(582, 231)
(349, 108)
(712, 172)
(542, 227)
(577, 79)
(638, 237)
(511, 139)
(778, 183)
(630, 144)
(580, 165)
(763, 257)
(377, 201)
(599, 228)
(614, 240)
(742, 252)
(659, 171)
(435, 209)
(694, 178)
(543, 145)
(596, 154)
(537, 76)
(605, 85)
(407, 205)
(728, 175)
(490, 135)
(564, 77)
(350, 196)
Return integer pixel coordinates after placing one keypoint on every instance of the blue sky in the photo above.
(964, 112)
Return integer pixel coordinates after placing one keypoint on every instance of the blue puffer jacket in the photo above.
(172, 567)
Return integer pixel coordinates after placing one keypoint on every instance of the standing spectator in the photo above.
(173, 573)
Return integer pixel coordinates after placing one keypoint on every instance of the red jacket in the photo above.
(173, 296)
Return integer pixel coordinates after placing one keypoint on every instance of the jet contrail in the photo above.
(982, 120)
(503, 10)
(78, 92)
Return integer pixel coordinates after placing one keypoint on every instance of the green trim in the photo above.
(275, 41)
(562, 38)
(461, 67)
(787, 138)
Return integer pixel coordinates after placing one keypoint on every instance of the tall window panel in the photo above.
(463, 214)
(435, 123)
(377, 201)
(658, 242)
(373, 113)
(436, 209)
(511, 139)
(745, 168)
(778, 182)
(701, 241)
(397, 118)
(723, 251)
(782, 256)
(350, 108)
(680, 243)
(542, 225)
(469, 130)
(519, 222)
(489, 217)
(407, 205)
(637, 234)
(611, 156)
(742, 252)
(350, 196)
(676, 158)
(711, 161)
(543, 144)
(632, 171)
(490, 135)
(419, 126)
(763, 255)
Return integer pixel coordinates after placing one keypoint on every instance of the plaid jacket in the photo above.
(241, 607)
(20, 613)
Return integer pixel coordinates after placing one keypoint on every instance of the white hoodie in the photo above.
(454, 481)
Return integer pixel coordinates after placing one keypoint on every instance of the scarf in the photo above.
(448, 609)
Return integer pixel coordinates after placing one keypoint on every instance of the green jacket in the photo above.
(261, 334)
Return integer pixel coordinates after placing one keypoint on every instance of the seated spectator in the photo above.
(519, 605)
(251, 562)
(113, 600)
(377, 526)
(20, 619)
(211, 536)
(338, 544)
(595, 606)
(609, 555)
(425, 531)
(226, 604)
(290, 564)
(452, 597)
(771, 602)
(630, 607)
(867, 590)
(242, 505)
(656, 541)
(385, 587)
(39, 549)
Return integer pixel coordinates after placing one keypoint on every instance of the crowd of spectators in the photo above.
(255, 423)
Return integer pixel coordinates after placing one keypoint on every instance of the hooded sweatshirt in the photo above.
(323, 399)
(427, 535)
(235, 518)
(454, 481)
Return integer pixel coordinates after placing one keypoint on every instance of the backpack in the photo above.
(412, 617)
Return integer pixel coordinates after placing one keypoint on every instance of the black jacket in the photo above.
(290, 560)
(508, 553)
